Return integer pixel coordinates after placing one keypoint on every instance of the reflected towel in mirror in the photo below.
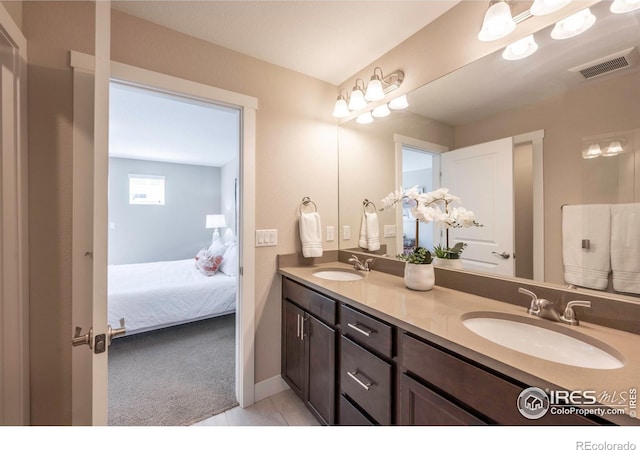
(625, 247)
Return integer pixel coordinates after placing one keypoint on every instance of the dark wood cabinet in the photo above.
(309, 350)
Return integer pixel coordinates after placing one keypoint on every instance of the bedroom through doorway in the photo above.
(172, 256)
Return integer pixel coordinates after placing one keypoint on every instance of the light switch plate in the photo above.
(389, 231)
(266, 238)
(346, 232)
(330, 233)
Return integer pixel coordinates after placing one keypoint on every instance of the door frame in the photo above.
(245, 316)
(14, 228)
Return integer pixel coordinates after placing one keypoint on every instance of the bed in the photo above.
(160, 294)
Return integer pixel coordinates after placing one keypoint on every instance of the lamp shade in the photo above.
(573, 25)
(381, 111)
(520, 49)
(215, 221)
(624, 6)
(374, 90)
(341, 109)
(614, 148)
(592, 152)
(497, 22)
(365, 118)
(399, 102)
(357, 100)
(543, 7)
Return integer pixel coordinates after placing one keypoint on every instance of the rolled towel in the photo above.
(311, 234)
(362, 240)
(625, 247)
(588, 267)
(373, 232)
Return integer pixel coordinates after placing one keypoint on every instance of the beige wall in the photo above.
(14, 8)
(601, 107)
(296, 156)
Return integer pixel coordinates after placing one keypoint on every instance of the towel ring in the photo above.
(366, 203)
(306, 201)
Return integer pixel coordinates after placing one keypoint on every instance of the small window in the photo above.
(146, 190)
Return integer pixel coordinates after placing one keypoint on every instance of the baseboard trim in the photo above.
(269, 387)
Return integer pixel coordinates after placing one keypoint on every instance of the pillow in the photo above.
(208, 263)
(230, 261)
(217, 248)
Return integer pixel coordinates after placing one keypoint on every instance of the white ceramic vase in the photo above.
(419, 277)
(448, 263)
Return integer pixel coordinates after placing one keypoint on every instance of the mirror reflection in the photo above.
(555, 109)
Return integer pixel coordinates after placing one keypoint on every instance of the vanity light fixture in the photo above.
(374, 88)
(526, 46)
(365, 118)
(543, 7)
(624, 6)
(592, 152)
(341, 109)
(497, 22)
(357, 101)
(614, 148)
(573, 25)
(399, 103)
(381, 111)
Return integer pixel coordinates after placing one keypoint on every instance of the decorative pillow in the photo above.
(230, 261)
(208, 263)
(217, 248)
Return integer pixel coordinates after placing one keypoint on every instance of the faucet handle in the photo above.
(569, 315)
(534, 308)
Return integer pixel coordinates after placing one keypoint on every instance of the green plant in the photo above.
(419, 256)
(449, 253)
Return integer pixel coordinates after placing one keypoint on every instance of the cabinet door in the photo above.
(293, 347)
(321, 353)
(421, 406)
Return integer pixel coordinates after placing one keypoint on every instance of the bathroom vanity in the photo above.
(370, 351)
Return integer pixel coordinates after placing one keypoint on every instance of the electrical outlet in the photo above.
(330, 234)
(346, 232)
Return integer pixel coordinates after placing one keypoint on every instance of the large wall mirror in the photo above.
(558, 103)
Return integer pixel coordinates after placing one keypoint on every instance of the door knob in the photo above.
(115, 332)
(505, 255)
(82, 339)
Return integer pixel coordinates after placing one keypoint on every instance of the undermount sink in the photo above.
(543, 340)
(338, 274)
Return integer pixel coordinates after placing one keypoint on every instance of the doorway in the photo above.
(172, 255)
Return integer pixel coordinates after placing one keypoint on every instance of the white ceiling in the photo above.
(328, 40)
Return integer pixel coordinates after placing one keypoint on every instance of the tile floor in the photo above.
(282, 409)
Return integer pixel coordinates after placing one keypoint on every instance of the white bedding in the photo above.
(159, 294)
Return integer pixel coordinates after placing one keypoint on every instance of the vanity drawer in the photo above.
(491, 396)
(350, 415)
(366, 330)
(366, 379)
(317, 304)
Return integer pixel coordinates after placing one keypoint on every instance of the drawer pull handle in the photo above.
(360, 329)
(365, 386)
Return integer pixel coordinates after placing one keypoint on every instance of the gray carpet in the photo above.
(174, 376)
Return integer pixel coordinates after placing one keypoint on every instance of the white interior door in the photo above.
(482, 176)
(89, 264)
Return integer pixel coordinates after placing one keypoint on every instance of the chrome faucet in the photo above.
(359, 265)
(545, 309)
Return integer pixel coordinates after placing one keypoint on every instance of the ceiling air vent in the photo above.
(608, 64)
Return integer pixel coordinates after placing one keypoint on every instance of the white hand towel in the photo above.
(373, 232)
(625, 247)
(311, 234)
(362, 239)
(586, 267)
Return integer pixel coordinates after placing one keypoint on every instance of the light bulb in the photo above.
(399, 102)
(592, 152)
(497, 22)
(381, 111)
(365, 118)
(520, 49)
(614, 148)
(573, 25)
